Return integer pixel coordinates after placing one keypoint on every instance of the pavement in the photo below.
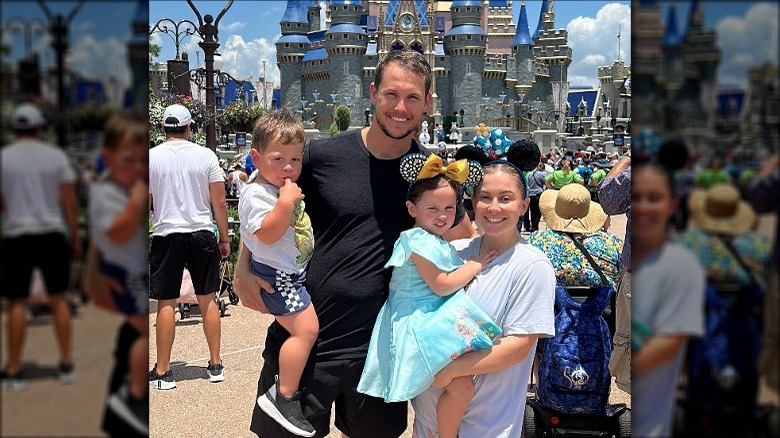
(196, 407)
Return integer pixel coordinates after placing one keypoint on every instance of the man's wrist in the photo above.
(223, 241)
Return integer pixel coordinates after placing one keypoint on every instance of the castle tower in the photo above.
(465, 43)
(522, 48)
(540, 24)
(647, 33)
(290, 49)
(701, 57)
(314, 16)
(345, 43)
(553, 53)
(672, 69)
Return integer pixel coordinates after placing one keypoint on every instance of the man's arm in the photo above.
(764, 188)
(70, 206)
(218, 204)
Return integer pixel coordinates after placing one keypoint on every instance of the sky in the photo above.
(98, 37)
(245, 44)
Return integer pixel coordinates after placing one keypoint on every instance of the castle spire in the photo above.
(545, 9)
(672, 36)
(695, 18)
(522, 35)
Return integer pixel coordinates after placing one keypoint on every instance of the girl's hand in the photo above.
(485, 258)
(290, 192)
(442, 379)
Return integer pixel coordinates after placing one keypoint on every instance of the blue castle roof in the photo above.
(498, 4)
(466, 29)
(293, 39)
(462, 3)
(545, 7)
(313, 54)
(345, 2)
(730, 102)
(671, 37)
(523, 35)
(297, 12)
(346, 28)
(576, 96)
(694, 16)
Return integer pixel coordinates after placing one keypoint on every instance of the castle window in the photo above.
(468, 37)
(300, 46)
(345, 36)
(468, 9)
(330, 37)
(345, 8)
(286, 45)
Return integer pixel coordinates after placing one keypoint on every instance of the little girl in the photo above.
(428, 320)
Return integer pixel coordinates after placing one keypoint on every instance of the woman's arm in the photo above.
(506, 351)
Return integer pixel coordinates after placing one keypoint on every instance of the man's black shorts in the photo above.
(21, 254)
(324, 383)
(170, 254)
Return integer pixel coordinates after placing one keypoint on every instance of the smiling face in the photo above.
(652, 204)
(434, 211)
(128, 161)
(278, 162)
(400, 101)
(499, 203)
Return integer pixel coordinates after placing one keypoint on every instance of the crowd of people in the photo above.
(348, 243)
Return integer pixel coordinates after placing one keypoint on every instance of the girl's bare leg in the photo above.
(452, 405)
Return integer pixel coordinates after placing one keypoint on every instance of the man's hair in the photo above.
(27, 132)
(175, 132)
(122, 124)
(410, 60)
(280, 126)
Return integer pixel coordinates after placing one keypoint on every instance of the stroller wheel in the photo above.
(184, 310)
(232, 296)
(530, 429)
(624, 423)
(222, 307)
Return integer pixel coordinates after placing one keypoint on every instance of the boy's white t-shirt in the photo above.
(106, 201)
(668, 296)
(179, 176)
(517, 290)
(291, 253)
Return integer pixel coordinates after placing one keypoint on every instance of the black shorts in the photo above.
(170, 254)
(324, 383)
(49, 252)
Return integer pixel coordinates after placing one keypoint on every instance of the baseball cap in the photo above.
(27, 116)
(176, 116)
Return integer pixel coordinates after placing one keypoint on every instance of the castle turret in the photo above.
(522, 48)
(553, 57)
(345, 43)
(314, 16)
(290, 49)
(540, 24)
(465, 43)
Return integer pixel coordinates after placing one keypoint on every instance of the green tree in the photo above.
(154, 50)
(342, 117)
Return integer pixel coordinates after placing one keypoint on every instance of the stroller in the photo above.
(574, 380)
(187, 294)
(720, 386)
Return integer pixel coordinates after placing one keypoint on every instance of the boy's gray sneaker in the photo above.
(216, 372)
(286, 411)
(158, 381)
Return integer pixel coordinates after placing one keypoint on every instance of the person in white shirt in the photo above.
(185, 185)
(40, 229)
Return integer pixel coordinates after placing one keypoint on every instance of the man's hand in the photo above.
(224, 249)
(248, 285)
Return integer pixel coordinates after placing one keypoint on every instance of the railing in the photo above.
(511, 123)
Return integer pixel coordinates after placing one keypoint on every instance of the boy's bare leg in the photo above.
(304, 328)
(60, 312)
(212, 327)
(17, 324)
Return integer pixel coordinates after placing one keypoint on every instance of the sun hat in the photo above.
(27, 116)
(176, 116)
(721, 210)
(603, 163)
(571, 210)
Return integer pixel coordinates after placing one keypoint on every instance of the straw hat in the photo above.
(720, 209)
(570, 210)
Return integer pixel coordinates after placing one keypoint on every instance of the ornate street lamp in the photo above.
(367, 112)
(176, 35)
(462, 113)
(19, 24)
(58, 28)
(30, 76)
(208, 32)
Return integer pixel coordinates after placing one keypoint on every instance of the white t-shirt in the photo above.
(106, 200)
(517, 290)
(668, 296)
(179, 176)
(33, 174)
(288, 254)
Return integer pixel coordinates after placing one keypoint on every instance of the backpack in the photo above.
(723, 364)
(574, 375)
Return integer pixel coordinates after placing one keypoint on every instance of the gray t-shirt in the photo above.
(668, 296)
(517, 290)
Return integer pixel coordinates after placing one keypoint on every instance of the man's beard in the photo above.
(387, 132)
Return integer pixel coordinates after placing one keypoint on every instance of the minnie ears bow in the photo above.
(416, 166)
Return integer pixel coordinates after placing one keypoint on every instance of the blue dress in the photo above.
(417, 332)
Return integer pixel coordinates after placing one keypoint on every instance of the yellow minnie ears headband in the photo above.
(417, 166)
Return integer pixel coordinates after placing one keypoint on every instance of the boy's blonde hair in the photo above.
(278, 125)
(125, 123)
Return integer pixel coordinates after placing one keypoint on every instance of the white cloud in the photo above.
(99, 59)
(244, 58)
(232, 27)
(746, 42)
(594, 42)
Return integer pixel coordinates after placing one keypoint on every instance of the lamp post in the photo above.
(175, 34)
(26, 27)
(462, 113)
(208, 32)
(58, 28)
(598, 122)
(30, 77)
(367, 112)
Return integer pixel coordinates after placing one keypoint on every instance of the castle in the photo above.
(484, 65)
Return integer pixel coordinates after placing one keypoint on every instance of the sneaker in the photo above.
(14, 383)
(164, 381)
(66, 374)
(134, 412)
(285, 411)
(216, 372)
